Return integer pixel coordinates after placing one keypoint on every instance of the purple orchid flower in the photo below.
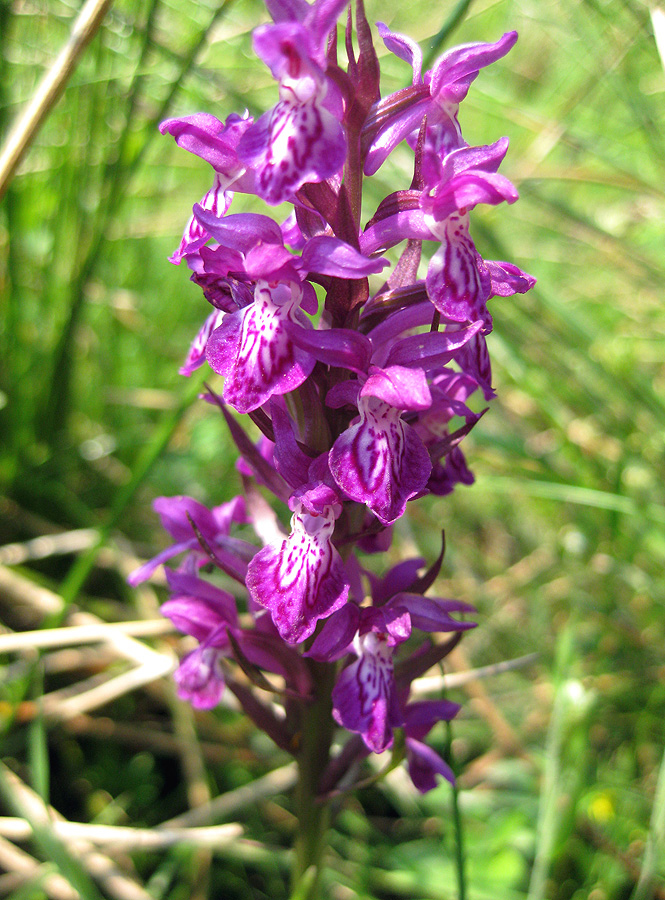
(254, 347)
(209, 614)
(459, 282)
(217, 143)
(422, 762)
(205, 612)
(301, 139)
(437, 95)
(177, 515)
(365, 696)
(301, 579)
(380, 460)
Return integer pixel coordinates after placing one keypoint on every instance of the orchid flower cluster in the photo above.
(354, 389)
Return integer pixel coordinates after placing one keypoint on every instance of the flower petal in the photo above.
(300, 580)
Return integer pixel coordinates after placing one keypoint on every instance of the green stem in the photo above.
(458, 825)
(313, 816)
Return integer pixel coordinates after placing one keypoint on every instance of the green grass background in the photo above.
(560, 543)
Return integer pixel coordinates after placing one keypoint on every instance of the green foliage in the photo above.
(560, 543)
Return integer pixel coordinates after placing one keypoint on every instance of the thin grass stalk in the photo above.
(38, 744)
(458, 825)
(58, 400)
(50, 88)
(455, 18)
(548, 812)
(51, 846)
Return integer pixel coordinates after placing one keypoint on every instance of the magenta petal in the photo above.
(207, 137)
(404, 48)
(365, 697)
(424, 765)
(380, 461)
(431, 349)
(456, 69)
(467, 190)
(197, 607)
(199, 677)
(254, 352)
(508, 279)
(300, 580)
(291, 145)
(327, 255)
(175, 514)
(399, 387)
(240, 231)
(341, 347)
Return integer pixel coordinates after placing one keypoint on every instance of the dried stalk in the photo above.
(50, 88)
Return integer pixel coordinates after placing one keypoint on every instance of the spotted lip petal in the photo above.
(252, 349)
(299, 140)
(197, 352)
(365, 695)
(302, 579)
(380, 461)
(292, 145)
(458, 283)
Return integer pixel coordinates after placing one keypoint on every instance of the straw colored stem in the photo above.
(51, 87)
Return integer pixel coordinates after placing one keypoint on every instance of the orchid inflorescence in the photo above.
(355, 407)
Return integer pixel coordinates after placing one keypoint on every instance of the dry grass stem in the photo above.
(434, 684)
(48, 545)
(115, 882)
(82, 634)
(275, 782)
(50, 88)
(17, 829)
(20, 868)
(61, 705)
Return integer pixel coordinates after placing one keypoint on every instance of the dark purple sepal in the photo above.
(291, 462)
(424, 764)
(339, 347)
(269, 652)
(335, 638)
(197, 607)
(448, 473)
(508, 279)
(432, 613)
(254, 459)
(431, 349)
(399, 578)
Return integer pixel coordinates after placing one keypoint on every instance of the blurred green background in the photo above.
(560, 543)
